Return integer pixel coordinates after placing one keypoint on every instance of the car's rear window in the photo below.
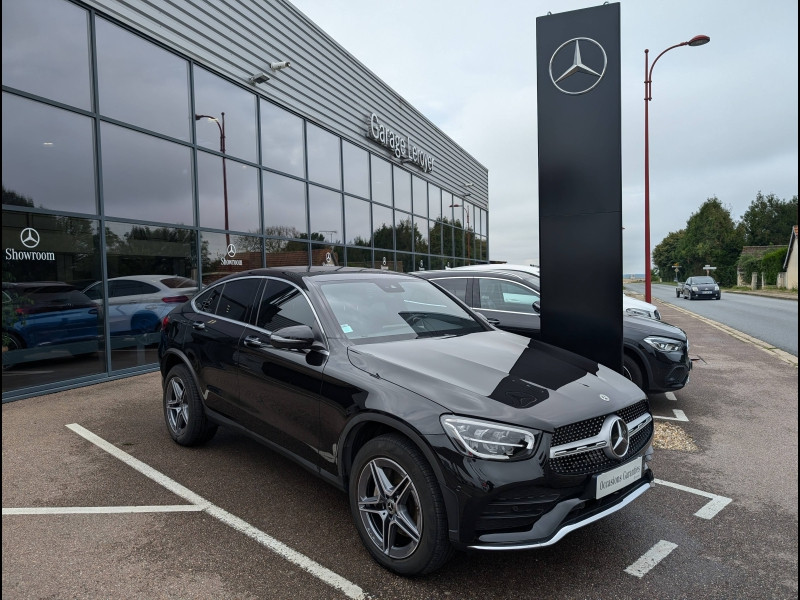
(178, 282)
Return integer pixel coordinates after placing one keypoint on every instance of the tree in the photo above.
(768, 220)
(668, 252)
(711, 237)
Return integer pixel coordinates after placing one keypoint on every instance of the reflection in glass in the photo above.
(448, 211)
(285, 253)
(381, 178)
(324, 161)
(140, 83)
(284, 206)
(359, 257)
(46, 50)
(404, 231)
(222, 255)
(421, 262)
(234, 196)
(434, 201)
(383, 228)
(420, 194)
(52, 331)
(325, 212)
(145, 177)
(402, 189)
(233, 107)
(421, 235)
(331, 255)
(39, 139)
(357, 221)
(151, 270)
(356, 170)
(281, 140)
(404, 262)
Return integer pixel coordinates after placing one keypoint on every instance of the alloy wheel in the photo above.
(177, 405)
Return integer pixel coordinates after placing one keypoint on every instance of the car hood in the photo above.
(644, 327)
(500, 376)
(629, 302)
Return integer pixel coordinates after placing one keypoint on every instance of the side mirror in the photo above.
(296, 337)
(537, 307)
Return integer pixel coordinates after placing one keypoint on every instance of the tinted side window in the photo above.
(283, 305)
(496, 294)
(236, 298)
(456, 286)
(208, 300)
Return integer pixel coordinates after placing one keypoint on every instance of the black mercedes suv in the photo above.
(445, 432)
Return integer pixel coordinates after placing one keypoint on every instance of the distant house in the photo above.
(742, 278)
(788, 278)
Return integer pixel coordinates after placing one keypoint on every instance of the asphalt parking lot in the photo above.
(98, 502)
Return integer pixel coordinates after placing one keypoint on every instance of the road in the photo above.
(773, 320)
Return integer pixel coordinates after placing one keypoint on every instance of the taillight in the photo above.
(175, 298)
(164, 323)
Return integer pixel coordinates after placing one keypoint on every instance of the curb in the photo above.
(765, 346)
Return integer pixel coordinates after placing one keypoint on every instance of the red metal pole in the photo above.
(647, 276)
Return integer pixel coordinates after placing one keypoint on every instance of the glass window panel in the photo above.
(381, 180)
(327, 254)
(145, 177)
(421, 262)
(359, 257)
(284, 206)
(284, 305)
(46, 50)
(383, 259)
(52, 330)
(402, 189)
(325, 212)
(40, 139)
(447, 208)
(455, 285)
(357, 221)
(324, 161)
(404, 231)
(496, 294)
(404, 262)
(484, 223)
(234, 110)
(227, 190)
(281, 140)
(421, 235)
(435, 239)
(237, 296)
(284, 253)
(383, 228)
(225, 254)
(420, 195)
(145, 253)
(140, 83)
(435, 201)
(356, 170)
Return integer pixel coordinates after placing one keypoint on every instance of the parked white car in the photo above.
(631, 306)
(137, 303)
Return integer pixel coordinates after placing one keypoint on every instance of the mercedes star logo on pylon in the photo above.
(29, 237)
(574, 76)
(231, 250)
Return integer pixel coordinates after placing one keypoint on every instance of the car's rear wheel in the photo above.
(183, 410)
(397, 506)
(631, 370)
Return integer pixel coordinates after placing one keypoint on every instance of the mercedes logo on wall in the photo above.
(578, 65)
(231, 250)
(29, 237)
(616, 432)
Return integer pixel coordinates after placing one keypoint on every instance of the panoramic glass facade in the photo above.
(133, 177)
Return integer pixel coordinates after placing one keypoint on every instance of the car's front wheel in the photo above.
(631, 370)
(397, 506)
(183, 410)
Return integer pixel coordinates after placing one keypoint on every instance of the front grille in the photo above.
(595, 461)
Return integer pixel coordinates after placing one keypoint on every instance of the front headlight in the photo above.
(716, 288)
(664, 344)
(695, 288)
(492, 441)
(637, 311)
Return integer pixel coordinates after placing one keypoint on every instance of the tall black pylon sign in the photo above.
(580, 181)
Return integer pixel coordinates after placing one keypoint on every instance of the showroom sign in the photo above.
(231, 261)
(30, 239)
(401, 145)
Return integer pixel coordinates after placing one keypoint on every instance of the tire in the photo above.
(394, 494)
(631, 370)
(183, 411)
(677, 293)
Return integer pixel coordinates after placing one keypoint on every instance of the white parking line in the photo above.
(670, 396)
(100, 510)
(679, 416)
(710, 510)
(325, 575)
(651, 558)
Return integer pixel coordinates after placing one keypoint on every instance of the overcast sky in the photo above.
(723, 118)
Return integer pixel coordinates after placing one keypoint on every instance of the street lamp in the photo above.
(466, 233)
(697, 40)
(224, 170)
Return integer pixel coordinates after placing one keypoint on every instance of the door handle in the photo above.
(198, 325)
(494, 321)
(253, 341)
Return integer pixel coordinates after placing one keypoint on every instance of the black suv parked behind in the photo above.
(655, 354)
(445, 432)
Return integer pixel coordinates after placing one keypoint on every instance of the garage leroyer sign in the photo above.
(401, 145)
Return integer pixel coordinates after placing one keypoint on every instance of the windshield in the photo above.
(381, 309)
(697, 280)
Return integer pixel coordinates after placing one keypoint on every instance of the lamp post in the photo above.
(224, 170)
(466, 233)
(697, 40)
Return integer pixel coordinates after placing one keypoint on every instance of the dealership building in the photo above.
(150, 148)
